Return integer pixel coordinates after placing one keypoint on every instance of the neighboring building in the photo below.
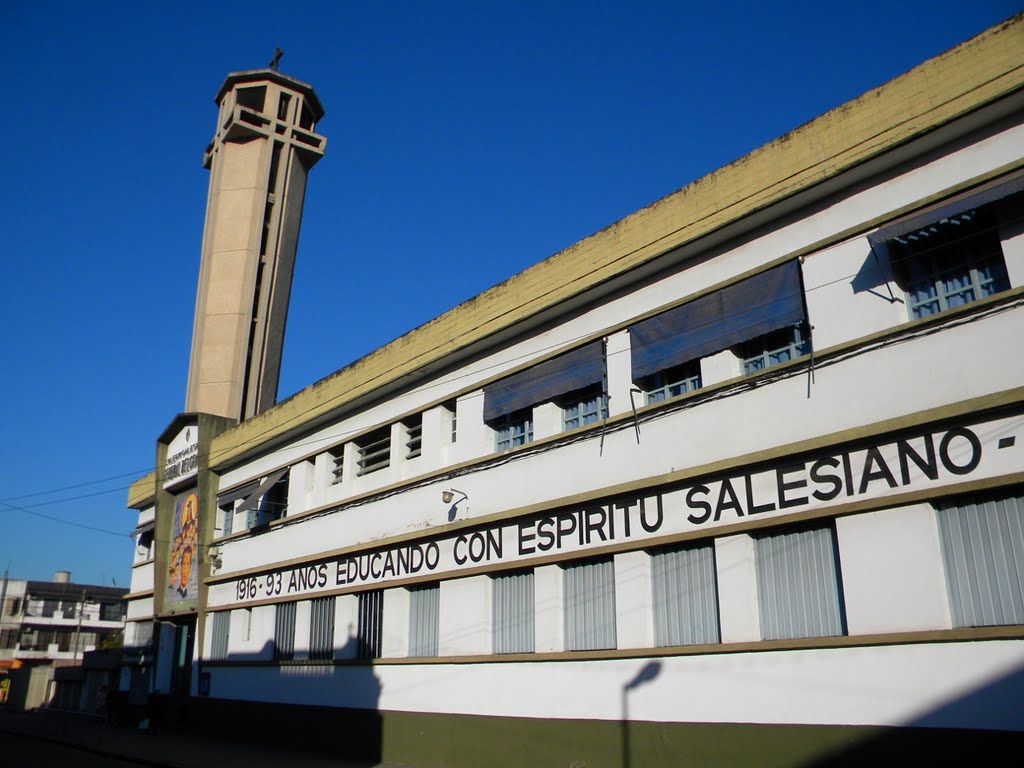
(739, 478)
(48, 624)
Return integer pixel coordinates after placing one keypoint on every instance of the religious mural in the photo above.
(183, 563)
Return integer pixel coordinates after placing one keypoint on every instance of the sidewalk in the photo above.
(170, 749)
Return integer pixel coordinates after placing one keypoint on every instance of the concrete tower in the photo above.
(258, 159)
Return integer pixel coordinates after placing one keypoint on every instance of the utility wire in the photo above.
(339, 437)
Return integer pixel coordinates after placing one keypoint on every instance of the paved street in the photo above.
(25, 750)
(57, 739)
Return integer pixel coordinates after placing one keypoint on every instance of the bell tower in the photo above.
(261, 153)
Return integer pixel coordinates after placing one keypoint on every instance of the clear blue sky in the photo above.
(466, 141)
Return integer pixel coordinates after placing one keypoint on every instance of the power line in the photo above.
(340, 436)
(65, 522)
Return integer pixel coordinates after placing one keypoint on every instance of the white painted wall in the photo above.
(465, 616)
(736, 570)
(885, 686)
(892, 571)
(634, 603)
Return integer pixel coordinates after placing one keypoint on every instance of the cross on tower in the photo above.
(278, 53)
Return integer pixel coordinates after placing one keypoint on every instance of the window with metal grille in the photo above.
(589, 593)
(336, 464)
(227, 516)
(513, 429)
(773, 348)
(284, 632)
(671, 382)
(321, 628)
(219, 634)
(685, 595)
(413, 428)
(950, 262)
(983, 552)
(424, 602)
(583, 407)
(799, 587)
(513, 612)
(374, 451)
(369, 624)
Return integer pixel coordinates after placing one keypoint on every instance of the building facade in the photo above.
(738, 478)
(49, 624)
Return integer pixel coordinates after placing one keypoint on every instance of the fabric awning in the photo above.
(235, 494)
(254, 498)
(574, 370)
(947, 209)
(742, 311)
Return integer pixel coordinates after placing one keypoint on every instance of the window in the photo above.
(252, 98)
(219, 633)
(275, 501)
(773, 348)
(284, 632)
(513, 614)
(508, 403)
(321, 628)
(260, 503)
(369, 624)
(374, 451)
(227, 513)
(513, 429)
(423, 620)
(798, 583)
(949, 263)
(112, 611)
(983, 552)
(336, 464)
(685, 596)
(8, 638)
(144, 543)
(583, 407)
(452, 420)
(666, 349)
(413, 428)
(589, 592)
(671, 382)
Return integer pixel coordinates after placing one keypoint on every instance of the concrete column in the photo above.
(395, 641)
(346, 627)
(738, 613)
(634, 605)
(549, 622)
(547, 420)
(721, 366)
(892, 570)
(303, 615)
(475, 437)
(465, 616)
(620, 377)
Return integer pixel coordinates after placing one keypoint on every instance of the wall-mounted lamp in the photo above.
(448, 496)
(215, 559)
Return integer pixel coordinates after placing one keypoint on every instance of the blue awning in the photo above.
(743, 311)
(948, 209)
(574, 370)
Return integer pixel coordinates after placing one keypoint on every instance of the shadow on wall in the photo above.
(971, 729)
(255, 699)
(874, 278)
